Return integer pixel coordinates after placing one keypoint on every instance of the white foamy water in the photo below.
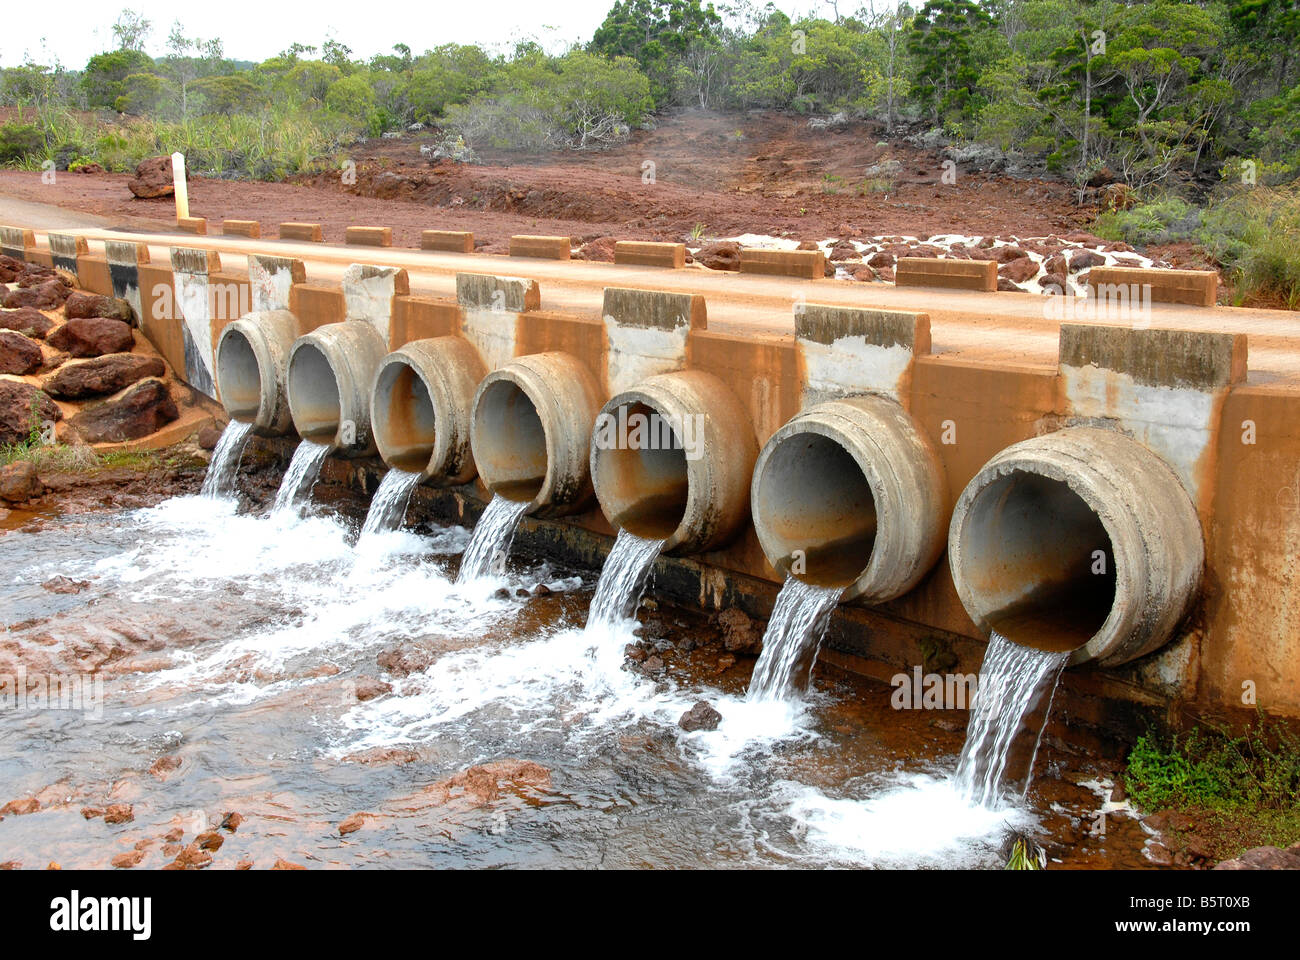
(909, 820)
(623, 578)
(793, 636)
(301, 476)
(388, 506)
(224, 465)
(1011, 682)
(490, 545)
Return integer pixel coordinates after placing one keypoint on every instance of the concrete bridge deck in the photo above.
(1001, 328)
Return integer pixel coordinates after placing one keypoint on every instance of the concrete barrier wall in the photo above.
(1236, 648)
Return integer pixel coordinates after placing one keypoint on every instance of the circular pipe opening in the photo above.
(509, 441)
(314, 394)
(403, 417)
(1082, 539)
(643, 481)
(1042, 561)
(851, 494)
(818, 509)
(239, 377)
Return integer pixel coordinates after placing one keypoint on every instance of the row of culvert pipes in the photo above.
(1082, 538)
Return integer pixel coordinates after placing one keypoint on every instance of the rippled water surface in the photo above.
(273, 667)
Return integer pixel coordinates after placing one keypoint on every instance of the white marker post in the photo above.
(181, 188)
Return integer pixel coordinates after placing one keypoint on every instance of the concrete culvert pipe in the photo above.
(531, 430)
(672, 459)
(851, 493)
(1082, 540)
(252, 360)
(330, 374)
(421, 405)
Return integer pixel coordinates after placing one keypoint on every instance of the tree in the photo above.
(941, 40)
(102, 79)
(183, 68)
(656, 34)
(131, 30)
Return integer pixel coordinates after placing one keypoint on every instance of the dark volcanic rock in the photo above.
(701, 716)
(19, 482)
(92, 337)
(140, 411)
(22, 406)
(101, 375)
(19, 355)
(93, 305)
(44, 296)
(720, 255)
(27, 321)
(153, 178)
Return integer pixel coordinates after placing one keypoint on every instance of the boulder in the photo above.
(19, 482)
(701, 716)
(153, 178)
(48, 295)
(1084, 260)
(18, 354)
(141, 410)
(844, 251)
(739, 633)
(27, 321)
(81, 304)
(101, 375)
(601, 249)
(92, 337)
(1264, 858)
(22, 406)
(720, 255)
(1018, 270)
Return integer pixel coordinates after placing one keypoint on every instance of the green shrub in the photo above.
(1162, 221)
(20, 142)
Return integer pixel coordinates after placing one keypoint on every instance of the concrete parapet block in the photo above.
(241, 228)
(510, 294)
(124, 261)
(368, 293)
(65, 249)
(809, 264)
(850, 350)
(646, 333)
(1197, 288)
(541, 248)
(195, 225)
(368, 236)
(16, 242)
(948, 273)
(447, 241)
(308, 232)
(191, 269)
(1165, 387)
(645, 253)
(271, 279)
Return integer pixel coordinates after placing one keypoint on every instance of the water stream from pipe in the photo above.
(794, 634)
(622, 579)
(220, 480)
(301, 476)
(1011, 682)
(490, 545)
(388, 506)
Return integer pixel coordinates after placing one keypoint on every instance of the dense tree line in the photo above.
(1154, 92)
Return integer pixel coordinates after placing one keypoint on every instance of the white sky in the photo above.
(74, 30)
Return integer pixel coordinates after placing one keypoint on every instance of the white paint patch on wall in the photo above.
(1175, 422)
(492, 332)
(637, 352)
(851, 365)
(193, 302)
(270, 283)
(368, 295)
